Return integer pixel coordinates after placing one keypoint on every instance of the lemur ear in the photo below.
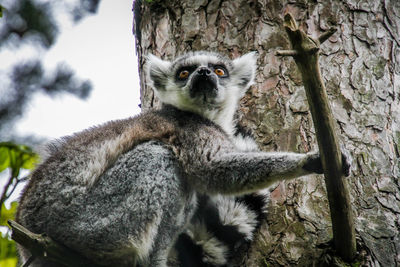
(244, 70)
(157, 71)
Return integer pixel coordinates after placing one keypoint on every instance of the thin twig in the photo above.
(18, 181)
(326, 35)
(4, 193)
(285, 53)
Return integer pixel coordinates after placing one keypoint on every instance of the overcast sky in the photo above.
(100, 48)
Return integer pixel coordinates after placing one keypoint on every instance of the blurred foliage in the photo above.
(1, 11)
(26, 18)
(14, 157)
(33, 23)
(8, 214)
(85, 7)
(8, 252)
(29, 23)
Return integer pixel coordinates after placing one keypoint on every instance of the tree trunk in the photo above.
(360, 65)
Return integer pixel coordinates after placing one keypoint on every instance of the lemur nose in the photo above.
(204, 71)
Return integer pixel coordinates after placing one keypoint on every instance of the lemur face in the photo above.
(201, 81)
(204, 77)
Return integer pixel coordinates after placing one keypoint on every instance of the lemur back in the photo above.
(127, 192)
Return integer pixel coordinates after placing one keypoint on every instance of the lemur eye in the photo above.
(183, 74)
(219, 72)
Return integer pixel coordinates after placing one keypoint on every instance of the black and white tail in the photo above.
(221, 225)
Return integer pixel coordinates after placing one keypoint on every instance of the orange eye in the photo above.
(219, 72)
(183, 74)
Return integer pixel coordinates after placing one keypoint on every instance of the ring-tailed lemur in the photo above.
(122, 193)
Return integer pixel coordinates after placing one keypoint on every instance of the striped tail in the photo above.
(220, 226)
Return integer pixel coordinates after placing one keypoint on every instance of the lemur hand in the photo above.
(314, 163)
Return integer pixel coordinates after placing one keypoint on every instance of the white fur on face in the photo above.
(220, 109)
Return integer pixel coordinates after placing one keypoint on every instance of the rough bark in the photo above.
(360, 66)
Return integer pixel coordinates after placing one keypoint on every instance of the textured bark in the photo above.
(360, 65)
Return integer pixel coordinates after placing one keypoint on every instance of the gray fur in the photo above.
(121, 193)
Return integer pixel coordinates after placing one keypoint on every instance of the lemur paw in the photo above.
(314, 163)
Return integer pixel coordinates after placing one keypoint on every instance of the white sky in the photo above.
(100, 48)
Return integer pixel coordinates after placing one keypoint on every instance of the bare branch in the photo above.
(42, 246)
(307, 60)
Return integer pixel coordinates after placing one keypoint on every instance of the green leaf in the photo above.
(15, 162)
(8, 252)
(8, 214)
(16, 157)
(4, 158)
(9, 262)
(29, 160)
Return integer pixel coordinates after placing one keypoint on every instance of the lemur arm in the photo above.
(237, 172)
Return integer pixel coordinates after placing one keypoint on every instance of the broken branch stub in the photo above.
(305, 51)
(42, 246)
